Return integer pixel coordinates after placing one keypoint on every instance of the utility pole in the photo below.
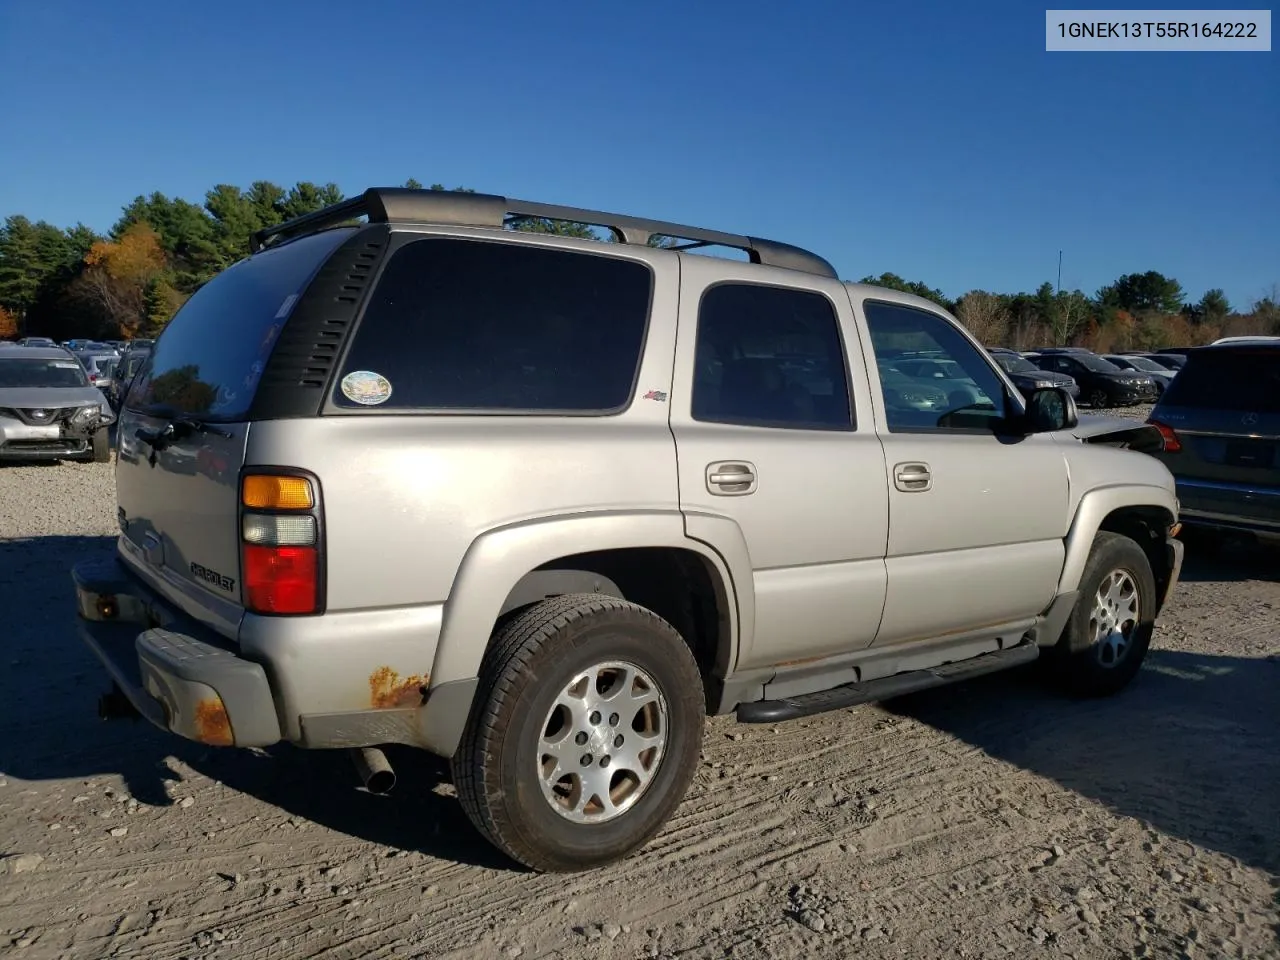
(1059, 290)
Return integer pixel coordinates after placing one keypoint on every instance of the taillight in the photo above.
(280, 544)
(1168, 436)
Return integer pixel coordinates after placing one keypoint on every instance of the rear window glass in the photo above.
(1240, 380)
(486, 326)
(210, 357)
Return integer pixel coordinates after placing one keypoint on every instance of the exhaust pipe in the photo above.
(375, 772)
(116, 706)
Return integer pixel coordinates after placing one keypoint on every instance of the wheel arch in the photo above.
(642, 557)
(1143, 512)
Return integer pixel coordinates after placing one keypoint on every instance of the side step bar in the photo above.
(852, 694)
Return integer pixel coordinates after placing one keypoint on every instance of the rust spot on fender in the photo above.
(213, 726)
(388, 689)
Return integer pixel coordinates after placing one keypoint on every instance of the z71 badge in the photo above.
(213, 577)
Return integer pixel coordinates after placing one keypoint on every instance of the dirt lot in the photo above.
(992, 819)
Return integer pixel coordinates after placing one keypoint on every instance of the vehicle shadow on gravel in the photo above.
(1191, 747)
(1231, 561)
(50, 730)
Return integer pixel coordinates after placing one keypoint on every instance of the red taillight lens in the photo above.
(280, 579)
(1168, 435)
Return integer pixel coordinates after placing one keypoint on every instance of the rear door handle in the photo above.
(731, 478)
(912, 477)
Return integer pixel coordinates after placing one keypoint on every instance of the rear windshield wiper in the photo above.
(179, 425)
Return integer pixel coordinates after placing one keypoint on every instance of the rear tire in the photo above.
(102, 445)
(1099, 399)
(1109, 632)
(585, 734)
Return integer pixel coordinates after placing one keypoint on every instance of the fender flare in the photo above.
(1094, 507)
(500, 559)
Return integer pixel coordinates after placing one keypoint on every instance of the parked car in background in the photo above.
(125, 372)
(1102, 383)
(1259, 338)
(36, 342)
(49, 410)
(100, 368)
(1028, 378)
(1170, 361)
(1220, 419)
(1162, 376)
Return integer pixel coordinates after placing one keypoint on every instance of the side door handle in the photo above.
(731, 478)
(912, 477)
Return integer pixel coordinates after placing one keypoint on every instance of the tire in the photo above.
(1099, 399)
(102, 445)
(1086, 661)
(534, 662)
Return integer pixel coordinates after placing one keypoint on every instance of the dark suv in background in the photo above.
(1102, 383)
(1027, 377)
(1220, 419)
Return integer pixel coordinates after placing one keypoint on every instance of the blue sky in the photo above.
(935, 140)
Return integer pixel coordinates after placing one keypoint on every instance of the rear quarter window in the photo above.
(485, 326)
(210, 357)
(1236, 380)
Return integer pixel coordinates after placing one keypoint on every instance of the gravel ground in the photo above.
(990, 819)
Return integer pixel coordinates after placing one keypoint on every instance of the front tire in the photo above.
(1109, 632)
(585, 735)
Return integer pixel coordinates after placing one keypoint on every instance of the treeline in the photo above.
(71, 282)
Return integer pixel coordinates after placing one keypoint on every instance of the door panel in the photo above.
(757, 407)
(976, 520)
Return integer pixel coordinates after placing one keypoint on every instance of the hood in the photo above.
(29, 397)
(1044, 376)
(1135, 434)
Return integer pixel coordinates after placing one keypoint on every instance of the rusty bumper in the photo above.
(179, 676)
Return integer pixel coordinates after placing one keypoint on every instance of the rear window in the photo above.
(486, 326)
(210, 357)
(27, 372)
(1240, 380)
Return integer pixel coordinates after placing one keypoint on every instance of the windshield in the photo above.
(26, 372)
(1142, 363)
(1095, 363)
(1016, 364)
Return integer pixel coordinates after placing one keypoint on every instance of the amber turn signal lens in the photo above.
(277, 493)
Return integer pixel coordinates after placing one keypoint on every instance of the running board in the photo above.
(852, 694)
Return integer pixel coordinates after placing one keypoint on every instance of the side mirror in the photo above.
(1051, 409)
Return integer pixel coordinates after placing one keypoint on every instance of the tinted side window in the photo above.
(469, 325)
(211, 355)
(770, 357)
(932, 377)
(1246, 381)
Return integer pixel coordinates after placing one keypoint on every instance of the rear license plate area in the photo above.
(1249, 453)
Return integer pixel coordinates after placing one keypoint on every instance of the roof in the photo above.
(40, 353)
(404, 205)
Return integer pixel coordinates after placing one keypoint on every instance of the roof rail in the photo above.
(407, 205)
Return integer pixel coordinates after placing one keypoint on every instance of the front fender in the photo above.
(497, 560)
(1094, 507)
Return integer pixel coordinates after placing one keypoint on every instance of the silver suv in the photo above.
(539, 504)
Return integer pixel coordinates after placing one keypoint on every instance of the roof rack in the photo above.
(407, 205)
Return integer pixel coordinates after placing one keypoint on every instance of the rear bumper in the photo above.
(179, 676)
(289, 679)
(1230, 506)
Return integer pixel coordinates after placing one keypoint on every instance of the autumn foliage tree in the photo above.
(8, 324)
(120, 276)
